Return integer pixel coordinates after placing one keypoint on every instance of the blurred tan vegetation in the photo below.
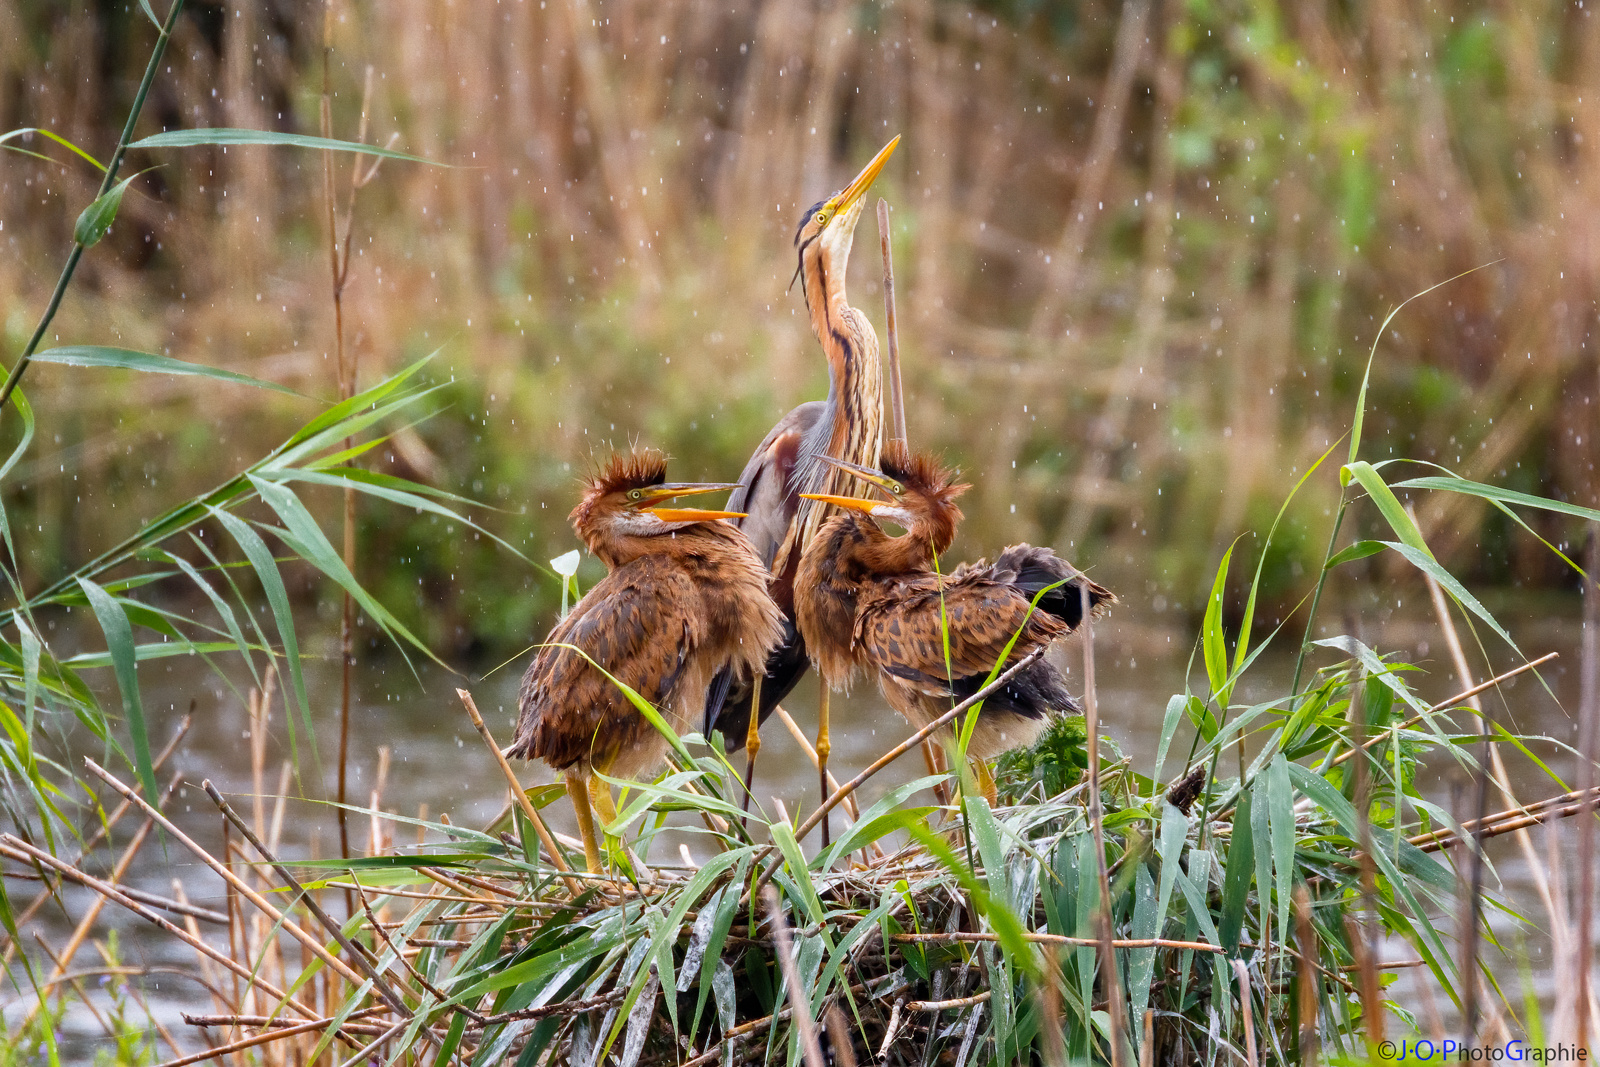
(1141, 253)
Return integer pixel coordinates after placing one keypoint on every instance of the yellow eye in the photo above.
(822, 218)
(635, 494)
(897, 489)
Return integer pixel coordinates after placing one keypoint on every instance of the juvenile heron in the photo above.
(848, 425)
(686, 597)
(868, 600)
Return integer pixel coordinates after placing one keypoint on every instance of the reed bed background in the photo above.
(1237, 902)
(1166, 231)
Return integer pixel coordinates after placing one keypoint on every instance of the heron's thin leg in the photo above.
(824, 746)
(752, 743)
(579, 785)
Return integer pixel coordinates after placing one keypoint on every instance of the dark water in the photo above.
(437, 760)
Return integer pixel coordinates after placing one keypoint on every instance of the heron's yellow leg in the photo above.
(579, 787)
(824, 746)
(986, 786)
(600, 798)
(752, 742)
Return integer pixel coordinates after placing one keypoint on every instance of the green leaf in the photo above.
(149, 362)
(1281, 830)
(26, 410)
(1504, 496)
(96, 219)
(1359, 550)
(119, 642)
(1169, 727)
(222, 135)
(266, 569)
(309, 542)
(1388, 504)
(58, 139)
(1213, 641)
(1236, 879)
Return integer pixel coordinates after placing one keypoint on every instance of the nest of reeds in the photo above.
(1091, 907)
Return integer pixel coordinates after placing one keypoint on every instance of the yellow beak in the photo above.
(692, 514)
(851, 502)
(862, 182)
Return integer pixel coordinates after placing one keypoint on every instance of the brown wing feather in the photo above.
(570, 711)
(900, 626)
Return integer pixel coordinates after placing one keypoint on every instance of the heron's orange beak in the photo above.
(667, 490)
(862, 182)
(692, 514)
(851, 502)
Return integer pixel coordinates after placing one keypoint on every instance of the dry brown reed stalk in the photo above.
(1363, 931)
(1247, 1011)
(517, 792)
(1588, 747)
(804, 742)
(795, 991)
(26, 915)
(1490, 767)
(897, 401)
(312, 944)
(80, 933)
(346, 371)
(839, 1042)
(1307, 1004)
(20, 850)
(379, 982)
(1505, 822)
(1109, 978)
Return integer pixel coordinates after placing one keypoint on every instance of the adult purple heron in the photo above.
(685, 598)
(789, 462)
(869, 600)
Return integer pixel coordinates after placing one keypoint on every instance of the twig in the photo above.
(891, 1031)
(379, 982)
(947, 1005)
(804, 742)
(81, 932)
(313, 944)
(17, 848)
(517, 792)
(1491, 828)
(1061, 939)
(99, 835)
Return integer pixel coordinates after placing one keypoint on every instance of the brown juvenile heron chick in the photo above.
(865, 599)
(686, 597)
(848, 425)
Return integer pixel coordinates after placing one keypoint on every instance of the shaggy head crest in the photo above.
(920, 472)
(633, 470)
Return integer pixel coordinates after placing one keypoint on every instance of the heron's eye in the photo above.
(822, 218)
(897, 489)
(635, 494)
